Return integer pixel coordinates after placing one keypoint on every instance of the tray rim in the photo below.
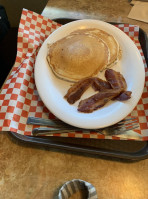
(138, 155)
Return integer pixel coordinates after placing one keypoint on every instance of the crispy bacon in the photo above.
(77, 89)
(124, 96)
(115, 79)
(97, 100)
(100, 85)
(75, 92)
(112, 89)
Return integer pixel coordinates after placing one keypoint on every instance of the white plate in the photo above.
(52, 90)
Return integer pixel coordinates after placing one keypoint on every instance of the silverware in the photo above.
(61, 127)
(45, 131)
(46, 122)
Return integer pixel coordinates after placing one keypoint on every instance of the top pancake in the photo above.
(83, 53)
(107, 38)
(78, 56)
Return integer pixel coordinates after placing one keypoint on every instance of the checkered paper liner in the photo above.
(19, 97)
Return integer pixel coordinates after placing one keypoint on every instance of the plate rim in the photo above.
(65, 119)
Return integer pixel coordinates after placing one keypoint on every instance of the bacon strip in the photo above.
(112, 89)
(100, 85)
(77, 89)
(98, 100)
(124, 96)
(115, 79)
(75, 92)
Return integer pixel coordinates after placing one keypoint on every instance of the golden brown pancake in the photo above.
(78, 56)
(107, 38)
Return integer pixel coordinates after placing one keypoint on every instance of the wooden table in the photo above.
(30, 172)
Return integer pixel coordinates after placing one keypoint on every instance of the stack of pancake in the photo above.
(83, 53)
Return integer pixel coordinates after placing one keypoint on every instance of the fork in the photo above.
(57, 126)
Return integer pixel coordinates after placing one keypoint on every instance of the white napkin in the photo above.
(139, 11)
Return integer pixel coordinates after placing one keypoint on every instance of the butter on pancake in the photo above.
(78, 56)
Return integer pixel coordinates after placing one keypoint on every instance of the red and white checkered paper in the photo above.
(19, 97)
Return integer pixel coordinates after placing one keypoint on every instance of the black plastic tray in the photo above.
(131, 150)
